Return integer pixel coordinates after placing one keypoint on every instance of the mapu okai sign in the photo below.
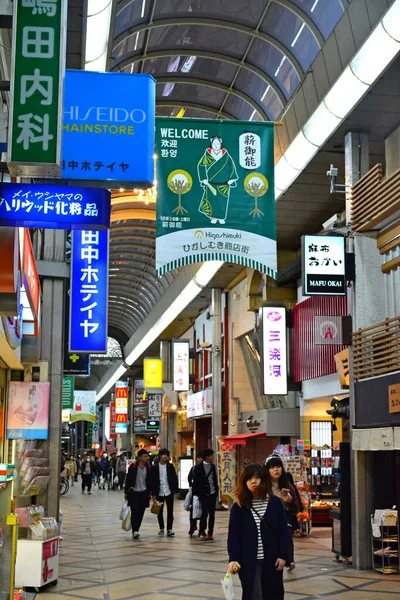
(215, 193)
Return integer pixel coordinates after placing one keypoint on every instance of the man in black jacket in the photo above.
(137, 490)
(205, 486)
(164, 484)
(86, 472)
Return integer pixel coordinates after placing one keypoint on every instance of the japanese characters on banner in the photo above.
(113, 433)
(155, 404)
(227, 468)
(89, 292)
(274, 351)
(324, 271)
(153, 373)
(37, 81)
(28, 410)
(180, 349)
(199, 404)
(54, 206)
(84, 406)
(109, 122)
(216, 197)
(121, 407)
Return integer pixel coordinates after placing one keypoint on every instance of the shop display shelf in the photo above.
(387, 570)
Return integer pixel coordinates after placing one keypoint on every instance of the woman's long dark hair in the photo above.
(244, 496)
(283, 479)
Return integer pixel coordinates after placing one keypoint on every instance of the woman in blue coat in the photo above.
(258, 537)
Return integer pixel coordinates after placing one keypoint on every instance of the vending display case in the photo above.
(385, 541)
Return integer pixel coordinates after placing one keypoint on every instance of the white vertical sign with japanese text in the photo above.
(274, 351)
(181, 365)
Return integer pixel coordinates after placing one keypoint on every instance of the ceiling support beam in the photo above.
(195, 106)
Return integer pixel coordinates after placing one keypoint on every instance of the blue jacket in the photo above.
(243, 543)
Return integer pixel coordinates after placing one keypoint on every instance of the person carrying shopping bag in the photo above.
(258, 537)
(164, 484)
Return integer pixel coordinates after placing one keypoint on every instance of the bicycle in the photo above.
(64, 486)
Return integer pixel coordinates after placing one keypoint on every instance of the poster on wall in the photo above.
(84, 406)
(139, 393)
(140, 415)
(28, 410)
(227, 469)
(216, 198)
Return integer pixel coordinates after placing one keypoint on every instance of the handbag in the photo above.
(126, 523)
(156, 507)
(188, 500)
(197, 509)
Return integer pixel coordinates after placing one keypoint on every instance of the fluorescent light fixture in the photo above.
(300, 152)
(279, 68)
(143, 9)
(298, 34)
(377, 52)
(202, 278)
(265, 93)
(368, 64)
(97, 32)
(188, 64)
(314, 6)
(252, 115)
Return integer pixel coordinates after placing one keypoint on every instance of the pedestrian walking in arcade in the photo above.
(193, 522)
(70, 466)
(205, 486)
(137, 490)
(87, 468)
(164, 484)
(258, 537)
(121, 471)
(280, 486)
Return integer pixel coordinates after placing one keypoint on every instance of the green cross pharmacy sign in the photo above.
(37, 75)
(215, 193)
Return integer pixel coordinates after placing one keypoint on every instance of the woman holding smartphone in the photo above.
(280, 486)
(258, 537)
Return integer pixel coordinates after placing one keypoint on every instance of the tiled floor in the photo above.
(100, 561)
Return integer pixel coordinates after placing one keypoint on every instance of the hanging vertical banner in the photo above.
(89, 292)
(68, 392)
(216, 197)
(37, 81)
(84, 406)
(180, 353)
(274, 352)
(121, 407)
(227, 469)
(113, 435)
(153, 373)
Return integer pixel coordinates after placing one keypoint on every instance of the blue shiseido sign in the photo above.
(108, 127)
(89, 292)
(54, 206)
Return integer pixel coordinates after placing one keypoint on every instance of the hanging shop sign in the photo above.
(324, 272)
(54, 206)
(108, 127)
(84, 406)
(153, 425)
(153, 373)
(76, 364)
(28, 410)
(112, 414)
(89, 292)
(180, 353)
(31, 284)
(154, 400)
(37, 82)
(274, 351)
(68, 392)
(121, 407)
(342, 360)
(140, 414)
(199, 404)
(227, 468)
(139, 393)
(328, 330)
(216, 198)
(394, 398)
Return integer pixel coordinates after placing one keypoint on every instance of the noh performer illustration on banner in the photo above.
(217, 175)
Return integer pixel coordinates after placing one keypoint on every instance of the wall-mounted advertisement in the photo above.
(139, 393)
(28, 410)
(216, 197)
(140, 415)
(84, 406)
(274, 350)
(180, 353)
(324, 271)
(199, 404)
(153, 373)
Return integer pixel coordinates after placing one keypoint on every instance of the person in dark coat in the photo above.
(164, 484)
(258, 538)
(137, 490)
(87, 468)
(279, 485)
(193, 522)
(205, 486)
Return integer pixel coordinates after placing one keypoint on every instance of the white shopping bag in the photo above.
(126, 523)
(187, 503)
(227, 586)
(197, 510)
(124, 510)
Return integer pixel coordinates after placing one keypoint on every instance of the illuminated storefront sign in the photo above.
(199, 404)
(113, 434)
(89, 292)
(54, 206)
(153, 372)
(121, 407)
(324, 271)
(181, 365)
(108, 127)
(274, 352)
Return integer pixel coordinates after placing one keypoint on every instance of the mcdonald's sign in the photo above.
(121, 407)
(121, 418)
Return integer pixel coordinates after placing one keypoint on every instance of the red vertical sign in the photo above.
(113, 435)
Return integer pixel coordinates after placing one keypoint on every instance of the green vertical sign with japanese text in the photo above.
(37, 76)
(216, 197)
(68, 392)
